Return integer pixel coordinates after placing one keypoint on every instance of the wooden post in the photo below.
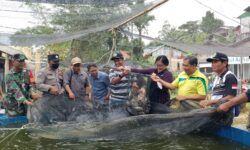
(6, 68)
(37, 63)
(6, 64)
(113, 46)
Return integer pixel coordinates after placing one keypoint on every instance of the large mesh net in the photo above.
(60, 20)
(83, 28)
(131, 121)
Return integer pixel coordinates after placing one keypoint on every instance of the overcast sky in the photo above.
(178, 12)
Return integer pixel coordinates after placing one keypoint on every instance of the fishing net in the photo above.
(83, 24)
(128, 128)
(131, 122)
(64, 20)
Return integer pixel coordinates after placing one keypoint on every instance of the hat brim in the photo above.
(76, 63)
(211, 59)
(54, 60)
(113, 58)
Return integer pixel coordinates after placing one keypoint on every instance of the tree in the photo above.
(209, 24)
(190, 27)
(188, 33)
(141, 24)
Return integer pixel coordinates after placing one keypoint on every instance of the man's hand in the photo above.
(181, 98)
(36, 95)
(71, 96)
(223, 108)
(124, 69)
(53, 90)
(205, 103)
(29, 103)
(146, 55)
(106, 97)
(87, 98)
(121, 68)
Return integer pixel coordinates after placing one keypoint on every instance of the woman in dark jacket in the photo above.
(158, 95)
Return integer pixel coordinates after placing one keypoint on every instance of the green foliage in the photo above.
(41, 29)
(59, 48)
(231, 37)
(194, 33)
(184, 35)
(141, 24)
(190, 27)
(209, 24)
(75, 18)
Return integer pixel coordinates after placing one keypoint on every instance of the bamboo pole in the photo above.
(142, 13)
(113, 45)
(114, 29)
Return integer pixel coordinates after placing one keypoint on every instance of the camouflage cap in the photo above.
(19, 57)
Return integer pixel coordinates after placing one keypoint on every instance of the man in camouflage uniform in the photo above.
(52, 106)
(18, 93)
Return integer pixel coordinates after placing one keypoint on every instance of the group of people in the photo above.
(67, 94)
(192, 85)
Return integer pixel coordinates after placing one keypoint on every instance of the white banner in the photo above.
(236, 60)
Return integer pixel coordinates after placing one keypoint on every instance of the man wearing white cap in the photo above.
(76, 84)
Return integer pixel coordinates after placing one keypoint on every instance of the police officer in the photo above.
(18, 93)
(52, 106)
(49, 79)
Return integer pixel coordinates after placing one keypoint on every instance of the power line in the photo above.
(221, 13)
(9, 27)
(17, 11)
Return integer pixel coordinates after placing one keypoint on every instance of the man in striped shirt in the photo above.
(120, 86)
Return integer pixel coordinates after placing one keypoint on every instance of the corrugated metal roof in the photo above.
(210, 49)
(244, 15)
(9, 50)
(247, 9)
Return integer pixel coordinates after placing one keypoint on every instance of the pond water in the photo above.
(22, 140)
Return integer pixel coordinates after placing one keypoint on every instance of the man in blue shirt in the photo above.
(100, 87)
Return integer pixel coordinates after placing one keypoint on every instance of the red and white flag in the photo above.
(234, 86)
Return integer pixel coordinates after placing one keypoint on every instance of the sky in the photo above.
(11, 21)
(176, 12)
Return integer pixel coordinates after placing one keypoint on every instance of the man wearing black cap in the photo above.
(52, 106)
(119, 83)
(225, 84)
(18, 93)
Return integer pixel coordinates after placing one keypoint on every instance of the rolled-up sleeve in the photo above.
(66, 77)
